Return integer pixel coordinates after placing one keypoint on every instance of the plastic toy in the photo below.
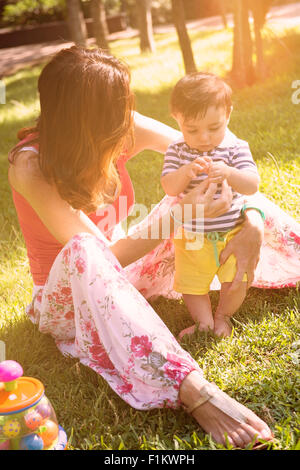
(43, 408)
(33, 419)
(9, 372)
(31, 442)
(11, 428)
(48, 432)
(5, 445)
(27, 419)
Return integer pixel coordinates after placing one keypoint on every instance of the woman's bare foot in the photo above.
(222, 427)
(222, 325)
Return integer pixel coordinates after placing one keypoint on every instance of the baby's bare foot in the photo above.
(191, 330)
(223, 326)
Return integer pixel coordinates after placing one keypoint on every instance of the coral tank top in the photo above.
(42, 247)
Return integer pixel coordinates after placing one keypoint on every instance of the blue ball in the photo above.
(31, 442)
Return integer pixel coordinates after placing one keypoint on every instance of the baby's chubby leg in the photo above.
(199, 307)
(229, 303)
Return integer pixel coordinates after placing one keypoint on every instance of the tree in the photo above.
(259, 11)
(242, 64)
(183, 37)
(100, 28)
(147, 43)
(76, 23)
(2, 5)
(222, 7)
(243, 71)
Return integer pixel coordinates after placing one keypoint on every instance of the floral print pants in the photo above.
(95, 314)
(97, 311)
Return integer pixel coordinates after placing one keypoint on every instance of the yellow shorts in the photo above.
(195, 263)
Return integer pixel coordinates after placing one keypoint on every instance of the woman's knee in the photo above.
(85, 250)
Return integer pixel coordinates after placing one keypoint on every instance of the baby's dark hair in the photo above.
(196, 92)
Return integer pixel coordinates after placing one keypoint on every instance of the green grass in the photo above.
(258, 365)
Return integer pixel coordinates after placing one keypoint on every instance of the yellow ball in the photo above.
(11, 428)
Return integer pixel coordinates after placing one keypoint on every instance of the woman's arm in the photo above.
(129, 249)
(64, 222)
(151, 134)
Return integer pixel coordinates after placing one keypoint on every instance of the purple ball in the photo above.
(31, 442)
(43, 409)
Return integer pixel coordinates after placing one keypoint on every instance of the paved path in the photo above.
(16, 58)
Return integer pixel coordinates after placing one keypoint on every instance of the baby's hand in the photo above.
(199, 165)
(218, 172)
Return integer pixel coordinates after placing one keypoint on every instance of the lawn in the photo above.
(258, 364)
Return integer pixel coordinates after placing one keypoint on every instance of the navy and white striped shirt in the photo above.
(235, 153)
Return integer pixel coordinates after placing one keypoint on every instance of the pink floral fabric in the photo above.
(95, 314)
(97, 311)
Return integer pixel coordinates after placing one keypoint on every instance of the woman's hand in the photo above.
(203, 197)
(245, 245)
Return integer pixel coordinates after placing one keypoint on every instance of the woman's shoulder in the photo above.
(25, 171)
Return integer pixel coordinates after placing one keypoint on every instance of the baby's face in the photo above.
(204, 133)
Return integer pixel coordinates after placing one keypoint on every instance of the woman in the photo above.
(60, 174)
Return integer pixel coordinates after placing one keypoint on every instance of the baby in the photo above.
(201, 104)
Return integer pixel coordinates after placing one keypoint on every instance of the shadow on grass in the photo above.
(258, 304)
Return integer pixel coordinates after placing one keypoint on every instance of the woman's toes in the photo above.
(259, 427)
(237, 439)
(226, 430)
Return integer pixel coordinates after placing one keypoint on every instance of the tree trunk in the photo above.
(242, 64)
(259, 11)
(76, 23)
(260, 63)
(99, 23)
(183, 37)
(223, 10)
(147, 43)
(2, 5)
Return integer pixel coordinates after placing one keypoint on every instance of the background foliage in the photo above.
(17, 12)
(258, 364)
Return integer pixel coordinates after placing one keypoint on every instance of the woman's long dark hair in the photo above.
(86, 116)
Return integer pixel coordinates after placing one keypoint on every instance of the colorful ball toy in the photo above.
(33, 420)
(44, 408)
(48, 432)
(11, 428)
(31, 442)
(27, 419)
